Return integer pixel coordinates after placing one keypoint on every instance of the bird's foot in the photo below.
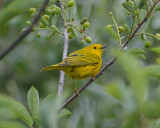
(76, 91)
(94, 79)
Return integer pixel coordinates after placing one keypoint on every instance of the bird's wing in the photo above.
(80, 59)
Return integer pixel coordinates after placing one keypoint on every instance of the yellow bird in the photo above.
(81, 63)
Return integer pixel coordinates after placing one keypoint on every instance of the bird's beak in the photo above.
(104, 46)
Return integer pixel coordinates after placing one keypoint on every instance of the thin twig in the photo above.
(25, 33)
(132, 26)
(76, 27)
(150, 3)
(117, 30)
(61, 33)
(65, 49)
(109, 63)
(148, 34)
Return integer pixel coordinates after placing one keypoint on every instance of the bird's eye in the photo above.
(94, 47)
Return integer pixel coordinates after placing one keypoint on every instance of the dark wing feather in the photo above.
(80, 59)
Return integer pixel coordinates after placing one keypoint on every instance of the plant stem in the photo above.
(150, 3)
(132, 26)
(137, 34)
(76, 28)
(65, 48)
(117, 29)
(49, 30)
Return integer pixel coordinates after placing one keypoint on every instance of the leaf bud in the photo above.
(68, 30)
(34, 28)
(110, 26)
(32, 10)
(84, 20)
(110, 14)
(41, 25)
(55, 28)
(147, 44)
(88, 39)
(82, 42)
(130, 2)
(28, 23)
(143, 37)
(38, 35)
(44, 21)
(86, 25)
(158, 36)
(70, 36)
(70, 3)
(46, 17)
(137, 12)
(121, 29)
(128, 13)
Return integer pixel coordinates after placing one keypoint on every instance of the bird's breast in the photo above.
(81, 72)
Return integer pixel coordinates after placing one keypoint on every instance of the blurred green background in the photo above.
(107, 103)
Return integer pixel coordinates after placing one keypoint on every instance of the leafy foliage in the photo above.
(127, 94)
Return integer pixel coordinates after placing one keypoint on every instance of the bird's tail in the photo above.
(51, 67)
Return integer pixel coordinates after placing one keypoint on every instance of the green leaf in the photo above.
(55, 28)
(54, 20)
(51, 34)
(116, 90)
(143, 37)
(151, 109)
(64, 112)
(15, 8)
(136, 51)
(129, 7)
(153, 71)
(141, 56)
(142, 16)
(73, 32)
(132, 120)
(129, 21)
(23, 114)
(51, 97)
(157, 8)
(142, 3)
(11, 124)
(49, 117)
(156, 50)
(33, 103)
(6, 113)
(126, 28)
(136, 77)
(158, 60)
(44, 21)
(18, 109)
(112, 32)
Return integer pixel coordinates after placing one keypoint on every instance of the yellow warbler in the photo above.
(81, 63)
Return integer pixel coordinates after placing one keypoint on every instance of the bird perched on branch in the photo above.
(81, 63)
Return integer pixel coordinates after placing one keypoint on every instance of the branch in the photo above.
(65, 49)
(25, 33)
(109, 63)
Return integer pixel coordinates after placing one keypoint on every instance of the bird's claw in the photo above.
(76, 91)
(94, 79)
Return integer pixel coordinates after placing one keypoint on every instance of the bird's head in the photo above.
(96, 48)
